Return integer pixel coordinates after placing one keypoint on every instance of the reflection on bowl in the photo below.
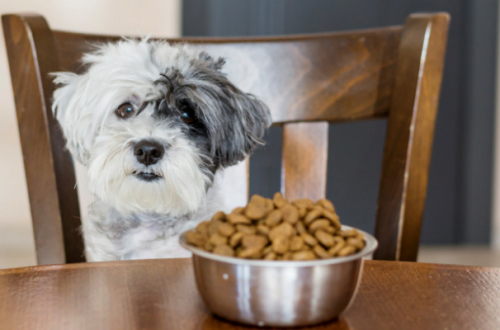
(278, 293)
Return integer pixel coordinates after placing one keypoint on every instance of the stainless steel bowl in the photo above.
(278, 293)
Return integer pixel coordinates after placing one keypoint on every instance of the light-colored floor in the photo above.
(17, 250)
(17, 247)
(460, 255)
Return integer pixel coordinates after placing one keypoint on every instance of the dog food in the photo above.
(277, 230)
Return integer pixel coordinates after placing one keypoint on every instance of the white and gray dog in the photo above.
(155, 124)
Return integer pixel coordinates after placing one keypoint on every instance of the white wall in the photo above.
(121, 17)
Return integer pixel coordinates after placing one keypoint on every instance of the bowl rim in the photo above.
(371, 245)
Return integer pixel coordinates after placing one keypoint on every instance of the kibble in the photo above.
(277, 230)
(280, 244)
(224, 250)
(226, 229)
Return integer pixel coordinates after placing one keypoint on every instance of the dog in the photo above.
(155, 124)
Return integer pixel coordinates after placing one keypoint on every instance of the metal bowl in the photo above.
(278, 293)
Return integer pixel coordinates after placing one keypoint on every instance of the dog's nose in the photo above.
(148, 152)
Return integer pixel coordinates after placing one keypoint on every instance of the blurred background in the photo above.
(461, 223)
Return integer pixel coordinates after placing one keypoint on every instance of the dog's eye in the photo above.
(187, 113)
(125, 110)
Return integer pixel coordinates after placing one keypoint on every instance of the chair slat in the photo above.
(49, 170)
(410, 133)
(305, 150)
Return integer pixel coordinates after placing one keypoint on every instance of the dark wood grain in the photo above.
(305, 150)
(161, 294)
(331, 77)
(410, 132)
(49, 169)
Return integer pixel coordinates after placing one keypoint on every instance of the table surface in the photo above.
(161, 294)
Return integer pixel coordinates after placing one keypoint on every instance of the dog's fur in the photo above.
(140, 209)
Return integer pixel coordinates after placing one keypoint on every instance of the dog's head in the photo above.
(153, 122)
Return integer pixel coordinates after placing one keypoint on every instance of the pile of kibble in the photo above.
(277, 230)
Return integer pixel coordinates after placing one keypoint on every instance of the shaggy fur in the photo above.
(176, 97)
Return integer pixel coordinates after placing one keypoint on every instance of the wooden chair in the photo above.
(308, 81)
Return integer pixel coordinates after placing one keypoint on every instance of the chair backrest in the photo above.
(308, 81)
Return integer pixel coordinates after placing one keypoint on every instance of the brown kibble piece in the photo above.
(296, 243)
(254, 241)
(202, 228)
(267, 249)
(318, 224)
(263, 229)
(290, 214)
(346, 250)
(195, 238)
(217, 239)
(359, 236)
(333, 217)
(304, 255)
(309, 240)
(305, 247)
(238, 219)
(321, 252)
(208, 246)
(324, 238)
(250, 230)
(302, 212)
(213, 227)
(315, 213)
(285, 229)
(236, 239)
(251, 252)
(270, 256)
(348, 233)
(238, 210)
(330, 230)
(357, 243)
(257, 208)
(338, 240)
(274, 218)
(280, 244)
(224, 250)
(339, 245)
(304, 202)
(326, 204)
(279, 200)
(269, 205)
(226, 229)
(288, 255)
(301, 229)
(219, 216)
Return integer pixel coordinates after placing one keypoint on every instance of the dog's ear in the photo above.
(245, 121)
(67, 107)
(236, 121)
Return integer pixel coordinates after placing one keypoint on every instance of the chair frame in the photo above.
(406, 92)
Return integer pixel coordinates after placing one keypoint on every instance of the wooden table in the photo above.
(161, 294)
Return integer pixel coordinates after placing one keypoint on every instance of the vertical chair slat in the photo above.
(50, 175)
(305, 150)
(409, 136)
